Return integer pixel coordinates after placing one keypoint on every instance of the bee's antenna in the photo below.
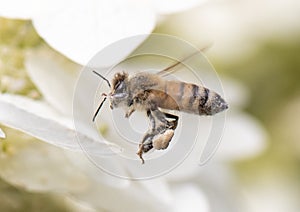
(102, 78)
(98, 109)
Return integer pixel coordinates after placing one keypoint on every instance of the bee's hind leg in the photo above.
(160, 133)
(146, 144)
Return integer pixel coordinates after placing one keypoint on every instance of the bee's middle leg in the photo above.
(129, 112)
(173, 124)
(163, 119)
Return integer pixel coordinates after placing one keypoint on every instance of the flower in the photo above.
(79, 29)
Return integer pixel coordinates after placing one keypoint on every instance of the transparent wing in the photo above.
(174, 67)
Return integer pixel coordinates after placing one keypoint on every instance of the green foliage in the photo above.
(272, 74)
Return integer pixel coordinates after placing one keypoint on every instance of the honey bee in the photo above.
(150, 93)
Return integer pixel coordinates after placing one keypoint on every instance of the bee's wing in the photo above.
(172, 68)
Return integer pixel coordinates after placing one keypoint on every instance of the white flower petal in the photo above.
(244, 137)
(189, 198)
(54, 76)
(132, 198)
(236, 94)
(158, 186)
(130, 194)
(58, 79)
(40, 167)
(96, 175)
(85, 27)
(172, 6)
(273, 191)
(29, 8)
(37, 166)
(39, 120)
(2, 134)
(218, 182)
(78, 206)
(40, 65)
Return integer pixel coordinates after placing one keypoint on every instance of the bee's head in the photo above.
(119, 95)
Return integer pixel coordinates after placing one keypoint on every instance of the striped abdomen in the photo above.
(190, 98)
